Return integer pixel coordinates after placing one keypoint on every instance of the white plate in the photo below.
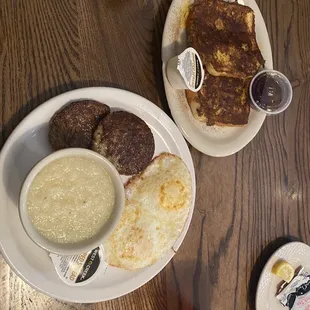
(26, 146)
(213, 141)
(295, 253)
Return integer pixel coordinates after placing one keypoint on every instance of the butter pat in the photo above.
(185, 71)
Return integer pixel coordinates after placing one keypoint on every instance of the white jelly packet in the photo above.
(185, 71)
(80, 269)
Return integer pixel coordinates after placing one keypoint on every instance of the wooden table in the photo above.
(247, 204)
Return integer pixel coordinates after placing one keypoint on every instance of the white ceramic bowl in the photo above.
(84, 246)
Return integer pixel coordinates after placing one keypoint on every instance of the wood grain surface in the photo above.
(247, 204)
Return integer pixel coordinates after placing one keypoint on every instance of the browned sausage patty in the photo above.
(74, 125)
(126, 141)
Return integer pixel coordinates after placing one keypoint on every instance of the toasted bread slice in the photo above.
(221, 101)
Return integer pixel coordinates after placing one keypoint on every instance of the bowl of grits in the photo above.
(71, 201)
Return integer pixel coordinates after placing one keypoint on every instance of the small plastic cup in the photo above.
(270, 92)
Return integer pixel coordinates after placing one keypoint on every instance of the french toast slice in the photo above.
(234, 60)
(224, 35)
(223, 16)
(221, 101)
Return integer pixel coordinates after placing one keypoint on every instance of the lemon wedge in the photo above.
(283, 270)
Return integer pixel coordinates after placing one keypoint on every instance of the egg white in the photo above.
(157, 205)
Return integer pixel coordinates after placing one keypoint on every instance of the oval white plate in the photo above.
(295, 253)
(26, 146)
(213, 141)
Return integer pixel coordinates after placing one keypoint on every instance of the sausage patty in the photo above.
(74, 125)
(126, 141)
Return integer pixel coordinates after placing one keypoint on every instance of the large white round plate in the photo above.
(213, 141)
(295, 253)
(26, 146)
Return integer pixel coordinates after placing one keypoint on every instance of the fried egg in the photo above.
(157, 206)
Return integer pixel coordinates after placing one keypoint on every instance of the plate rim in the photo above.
(186, 154)
(190, 137)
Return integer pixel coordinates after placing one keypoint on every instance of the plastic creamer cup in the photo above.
(185, 71)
